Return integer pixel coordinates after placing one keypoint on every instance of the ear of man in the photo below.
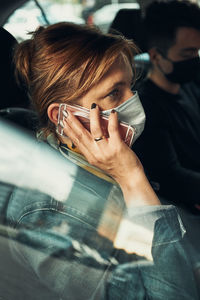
(155, 56)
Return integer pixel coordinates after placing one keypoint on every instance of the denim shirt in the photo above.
(73, 246)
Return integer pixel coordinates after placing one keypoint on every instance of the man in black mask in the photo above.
(169, 147)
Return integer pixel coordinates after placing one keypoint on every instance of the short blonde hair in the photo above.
(61, 62)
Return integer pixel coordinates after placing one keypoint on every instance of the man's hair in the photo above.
(162, 19)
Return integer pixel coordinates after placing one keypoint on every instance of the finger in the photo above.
(76, 131)
(95, 123)
(113, 127)
(84, 150)
(60, 128)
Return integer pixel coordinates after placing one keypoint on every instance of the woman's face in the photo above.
(113, 89)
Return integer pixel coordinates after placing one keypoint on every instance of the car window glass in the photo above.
(66, 236)
(34, 13)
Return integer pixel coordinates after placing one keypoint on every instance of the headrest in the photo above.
(25, 118)
(128, 22)
(10, 93)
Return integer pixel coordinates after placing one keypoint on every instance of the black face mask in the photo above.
(184, 71)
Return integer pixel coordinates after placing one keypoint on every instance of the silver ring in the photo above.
(99, 138)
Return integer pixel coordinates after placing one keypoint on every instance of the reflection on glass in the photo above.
(85, 247)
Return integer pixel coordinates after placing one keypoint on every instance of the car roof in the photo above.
(8, 7)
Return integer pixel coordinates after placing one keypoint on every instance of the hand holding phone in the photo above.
(83, 114)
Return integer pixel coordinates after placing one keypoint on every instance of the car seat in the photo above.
(129, 23)
(11, 94)
(22, 117)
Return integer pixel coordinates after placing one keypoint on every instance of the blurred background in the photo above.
(100, 13)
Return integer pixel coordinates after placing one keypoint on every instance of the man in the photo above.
(169, 148)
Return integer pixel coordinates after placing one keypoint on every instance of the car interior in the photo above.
(40, 173)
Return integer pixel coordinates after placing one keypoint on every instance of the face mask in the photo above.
(184, 71)
(131, 112)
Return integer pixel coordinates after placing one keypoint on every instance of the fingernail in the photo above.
(112, 111)
(73, 146)
(93, 105)
(65, 113)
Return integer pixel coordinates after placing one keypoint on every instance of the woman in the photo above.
(67, 63)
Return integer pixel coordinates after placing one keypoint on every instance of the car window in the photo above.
(67, 236)
(104, 16)
(34, 13)
(40, 12)
(62, 238)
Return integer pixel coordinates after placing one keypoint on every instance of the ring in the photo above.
(99, 138)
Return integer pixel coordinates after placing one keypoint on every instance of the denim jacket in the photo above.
(83, 247)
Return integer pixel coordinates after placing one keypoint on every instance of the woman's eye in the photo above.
(114, 94)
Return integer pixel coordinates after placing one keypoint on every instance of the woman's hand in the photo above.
(111, 154)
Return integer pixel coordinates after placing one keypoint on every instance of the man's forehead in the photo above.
(187, 38)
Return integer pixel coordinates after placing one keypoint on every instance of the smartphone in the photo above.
(126, 131)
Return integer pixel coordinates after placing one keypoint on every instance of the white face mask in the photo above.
(131, 112)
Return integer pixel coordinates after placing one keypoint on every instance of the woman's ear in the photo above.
(52, 112)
